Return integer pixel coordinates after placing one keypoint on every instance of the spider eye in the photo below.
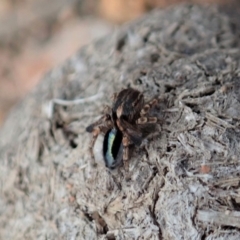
(112, 148)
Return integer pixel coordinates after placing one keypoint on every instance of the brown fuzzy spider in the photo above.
(125, 124)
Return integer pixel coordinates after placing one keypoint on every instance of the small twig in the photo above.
(48, 107)
(77, 101)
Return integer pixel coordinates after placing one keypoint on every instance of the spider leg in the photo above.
(131, 131)
(145, 119)
(130, 136)
(96, 131)
(102, 125)
(149, 105)
(126, 143)
(104, 120)
(146, 123)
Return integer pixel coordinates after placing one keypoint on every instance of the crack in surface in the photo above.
(154, 217)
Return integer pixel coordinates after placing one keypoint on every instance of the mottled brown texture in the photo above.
(189, 57)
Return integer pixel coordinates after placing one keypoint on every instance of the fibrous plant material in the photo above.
(184, 179)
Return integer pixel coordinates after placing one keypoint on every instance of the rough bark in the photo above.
(184, 179)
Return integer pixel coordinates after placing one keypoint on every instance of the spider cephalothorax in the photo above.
(125, 124)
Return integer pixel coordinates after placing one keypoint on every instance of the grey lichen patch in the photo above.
(184, 179)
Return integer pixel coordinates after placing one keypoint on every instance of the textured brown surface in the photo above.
(185, 180)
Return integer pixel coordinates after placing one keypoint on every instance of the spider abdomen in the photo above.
(128, 105)
(112, 148)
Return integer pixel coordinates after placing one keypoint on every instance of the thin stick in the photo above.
(77, 101)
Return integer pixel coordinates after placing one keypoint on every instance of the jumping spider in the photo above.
(126, 124)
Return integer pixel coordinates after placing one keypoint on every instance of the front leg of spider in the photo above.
(144, 113)
(126, 157)
(126, 143)
(100, 126)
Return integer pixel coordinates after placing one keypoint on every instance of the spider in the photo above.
(126, 124)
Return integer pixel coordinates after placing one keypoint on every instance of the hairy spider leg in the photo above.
(145, 110)
(102, 125)
(126, 143)
(144, 120)
(149, 105)
(96, 131)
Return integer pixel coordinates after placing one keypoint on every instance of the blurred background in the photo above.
(36, 35)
